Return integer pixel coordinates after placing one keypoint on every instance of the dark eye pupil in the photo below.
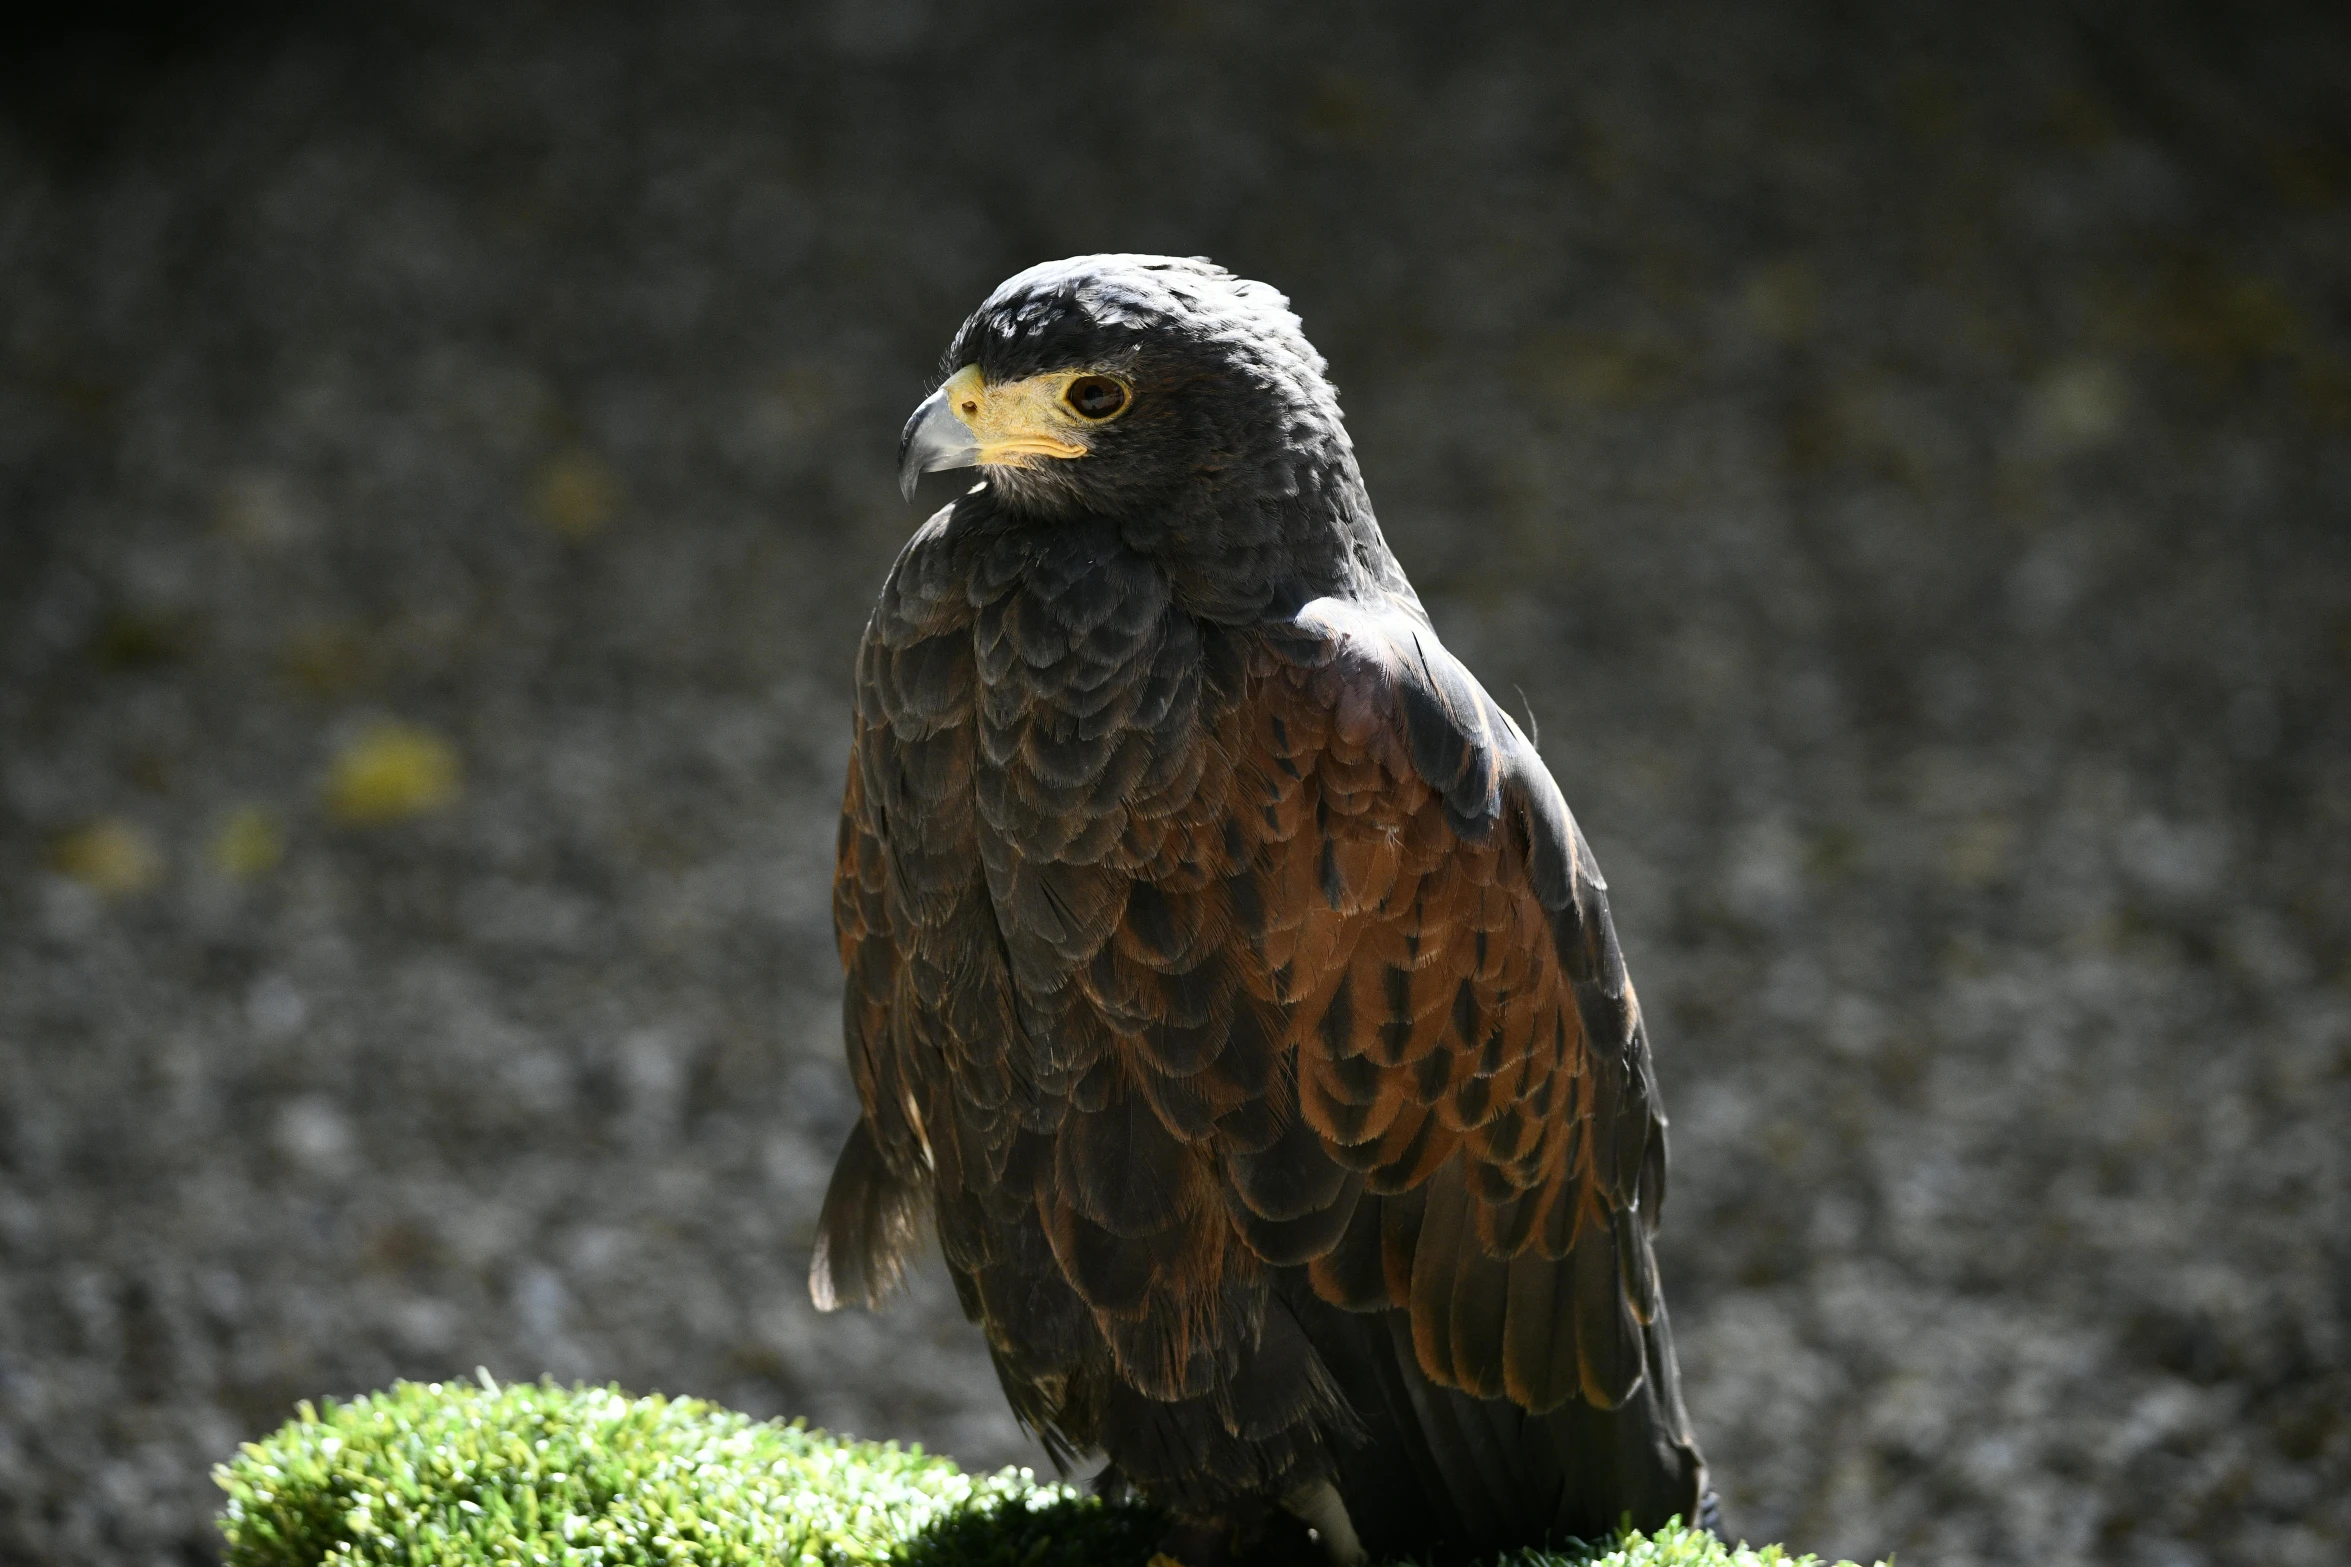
(1096, 396)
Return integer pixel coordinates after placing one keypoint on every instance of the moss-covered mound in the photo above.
(461, 1476)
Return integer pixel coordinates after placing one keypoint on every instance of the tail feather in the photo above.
(866, 1229)
(1447, 1476)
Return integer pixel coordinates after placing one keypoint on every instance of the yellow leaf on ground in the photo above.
(110, 856)
(390, 771)
(248, 844)
(577, 495)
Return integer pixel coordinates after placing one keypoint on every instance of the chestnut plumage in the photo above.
(1224, 970)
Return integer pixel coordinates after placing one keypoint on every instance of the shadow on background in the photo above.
(1899, 455)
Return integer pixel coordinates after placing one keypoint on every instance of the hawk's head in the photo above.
(1139, 389)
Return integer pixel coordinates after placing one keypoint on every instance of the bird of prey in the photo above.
(1226, 977)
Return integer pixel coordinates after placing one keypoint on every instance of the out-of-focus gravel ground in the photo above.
(1902, 455)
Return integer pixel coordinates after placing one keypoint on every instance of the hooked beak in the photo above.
(934, 440)
(968, 423)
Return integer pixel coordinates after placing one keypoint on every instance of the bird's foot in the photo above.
(1247, 1535)
(1321, 1509)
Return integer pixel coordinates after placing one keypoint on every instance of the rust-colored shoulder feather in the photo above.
(1458, 1013)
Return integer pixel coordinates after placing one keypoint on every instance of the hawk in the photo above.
(1226, 977)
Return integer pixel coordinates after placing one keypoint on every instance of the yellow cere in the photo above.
(1018, 422)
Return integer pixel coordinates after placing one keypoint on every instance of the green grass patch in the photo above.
(459, 1475)
(1671, 1546)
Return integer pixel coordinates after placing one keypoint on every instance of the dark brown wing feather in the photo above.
(870, 1208)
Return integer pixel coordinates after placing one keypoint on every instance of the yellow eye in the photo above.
(1095, 397)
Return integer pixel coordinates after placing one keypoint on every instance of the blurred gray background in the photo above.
(1899, 455)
